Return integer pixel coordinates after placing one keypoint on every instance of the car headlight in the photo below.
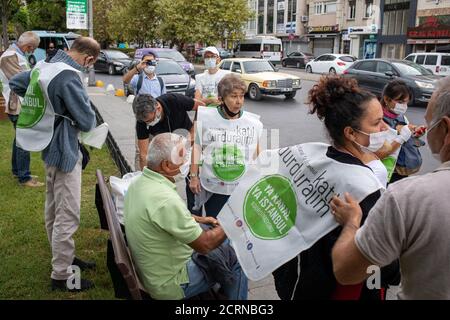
(425, 85)
(119, 64)
(269, 84)
(296, 83)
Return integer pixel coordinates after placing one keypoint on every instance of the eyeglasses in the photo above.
(434, 125)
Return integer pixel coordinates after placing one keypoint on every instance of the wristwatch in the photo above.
(192, 175)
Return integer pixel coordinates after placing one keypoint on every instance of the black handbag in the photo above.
(86, 157)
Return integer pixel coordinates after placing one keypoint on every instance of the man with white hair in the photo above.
(162, 234)
(410, 221)
(13, 61)
(207, 82)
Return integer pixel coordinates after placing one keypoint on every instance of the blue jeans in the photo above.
(20, 158)
(198, 283)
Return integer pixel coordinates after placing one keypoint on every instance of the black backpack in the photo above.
(141, 79)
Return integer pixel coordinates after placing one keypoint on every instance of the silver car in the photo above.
(175, 78)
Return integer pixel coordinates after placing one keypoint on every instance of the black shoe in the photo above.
(83, 265)
(62, 285)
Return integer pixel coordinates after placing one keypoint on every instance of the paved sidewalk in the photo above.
(119, 115)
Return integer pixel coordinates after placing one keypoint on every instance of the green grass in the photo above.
(24, 249)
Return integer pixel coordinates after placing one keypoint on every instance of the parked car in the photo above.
(438, 63)
(224, 54)
(174, 76)
(261, 77)
(60, 40)
(297, 59)
(112, 61)
(262, 47)
(330, 63)
(166, 53)
(374, 74)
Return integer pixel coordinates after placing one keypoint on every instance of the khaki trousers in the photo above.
(62, 216)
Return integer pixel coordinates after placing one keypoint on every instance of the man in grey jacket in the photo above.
(63, 159)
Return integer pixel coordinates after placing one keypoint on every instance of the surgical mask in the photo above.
(437, 156)
(155, 121)
(376, 140)
(400, 108)
(149, 69)
(210, 63)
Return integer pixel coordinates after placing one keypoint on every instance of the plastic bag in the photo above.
(119, 187)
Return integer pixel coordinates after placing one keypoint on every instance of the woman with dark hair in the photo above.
(353, 119)
(406, 161)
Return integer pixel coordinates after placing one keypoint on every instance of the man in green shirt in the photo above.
(162, 234)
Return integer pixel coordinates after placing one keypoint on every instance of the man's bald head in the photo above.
(87, 46)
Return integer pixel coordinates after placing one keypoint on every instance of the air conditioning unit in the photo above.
(305, 18)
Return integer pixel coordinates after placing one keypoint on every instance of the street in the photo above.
(292, 120)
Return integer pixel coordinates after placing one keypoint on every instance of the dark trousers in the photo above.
(20, 159)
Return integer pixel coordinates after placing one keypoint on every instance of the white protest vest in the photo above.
(281, 206)
(228, 147)
(4, 82)
(36, 119)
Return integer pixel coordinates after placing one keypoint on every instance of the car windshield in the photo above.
(117, 55)
(412, 69)
(258, 66)
(168, 54)
(168, 68)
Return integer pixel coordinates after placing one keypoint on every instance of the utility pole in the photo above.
(91, 81)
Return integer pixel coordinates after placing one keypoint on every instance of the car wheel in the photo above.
(332, 71)
(111, 70)
(290, 95)
(254, 92)
(308, 69)
(283, 63)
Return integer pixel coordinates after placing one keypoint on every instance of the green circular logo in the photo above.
(33, 105)
(228, 163)
(270, 207)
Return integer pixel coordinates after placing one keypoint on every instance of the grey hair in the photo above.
(143, 104)
(29, 38)
(164, 146)
(442, 102)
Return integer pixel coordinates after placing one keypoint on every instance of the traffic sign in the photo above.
(291, 36)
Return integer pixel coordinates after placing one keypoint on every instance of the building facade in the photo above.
(360, 26)
(285, 19)
(323, 26)
(431, 32)
(397, 16)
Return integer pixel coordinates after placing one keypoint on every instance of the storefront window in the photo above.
(395, 21)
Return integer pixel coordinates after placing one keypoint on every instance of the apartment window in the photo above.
(270, 12)
(280, 14)
(395, 22)
(324, 7)
(369, 8)
(351, 10)
(329, 7)
(292, 10)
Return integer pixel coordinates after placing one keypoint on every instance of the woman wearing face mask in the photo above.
(207, 82)
(402, 157)
(227, 140)
(353, 119)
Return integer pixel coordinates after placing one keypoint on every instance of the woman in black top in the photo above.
(351, 117)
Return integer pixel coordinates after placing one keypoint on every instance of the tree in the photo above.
(7, 9)
(206, 21)
(134, 20)
(102, 22)
(47, 15)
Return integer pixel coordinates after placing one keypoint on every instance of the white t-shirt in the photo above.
(207, 83)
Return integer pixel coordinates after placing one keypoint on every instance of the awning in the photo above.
(322, 35)
(428, 41)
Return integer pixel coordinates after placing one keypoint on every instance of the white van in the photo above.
(261, 47)
(436, 62)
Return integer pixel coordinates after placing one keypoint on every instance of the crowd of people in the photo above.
(179, 248)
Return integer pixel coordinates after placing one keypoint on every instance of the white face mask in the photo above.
(400, 108)
(210, 63)
(149, 70)
(376, 140)
(155, 121)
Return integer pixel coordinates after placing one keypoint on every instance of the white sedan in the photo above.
(330, 63)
